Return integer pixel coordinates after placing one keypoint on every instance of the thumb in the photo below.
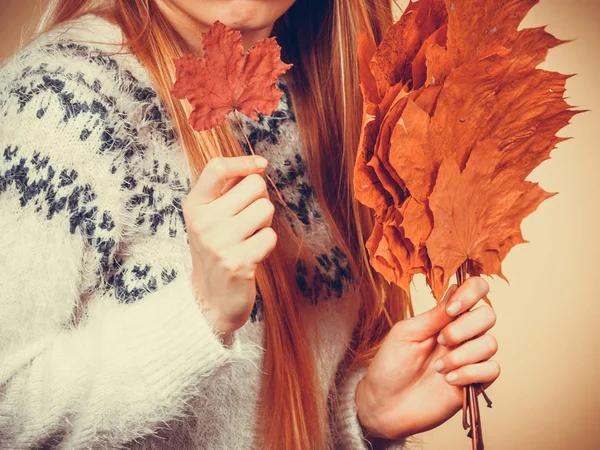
(429, 323)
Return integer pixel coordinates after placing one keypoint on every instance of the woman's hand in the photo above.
(415, 382)
(228, 218)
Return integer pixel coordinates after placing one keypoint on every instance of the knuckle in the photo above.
(258, 182)
(266, 205)
(271, 233)
(251, 163)
(217, 165)
(271, 237)
(231, 265)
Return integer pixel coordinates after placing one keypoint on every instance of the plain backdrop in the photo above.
(547, 397)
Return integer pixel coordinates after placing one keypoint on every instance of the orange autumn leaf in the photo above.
(457, 115)
(478, 211)
(228, 79)
(478, 28)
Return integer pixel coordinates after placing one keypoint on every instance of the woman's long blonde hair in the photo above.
(319, 37)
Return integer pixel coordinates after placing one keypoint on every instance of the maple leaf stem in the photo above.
(470, 409)
(239, 123)
(280, 197)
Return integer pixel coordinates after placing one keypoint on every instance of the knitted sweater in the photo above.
(103, 343)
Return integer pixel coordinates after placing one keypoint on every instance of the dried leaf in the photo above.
(457, 116)
(228, 79)
(392, 63)
(476, 28)
(476, 212)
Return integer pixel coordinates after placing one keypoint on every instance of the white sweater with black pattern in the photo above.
(102, 341)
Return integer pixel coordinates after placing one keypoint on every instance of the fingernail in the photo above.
(439, 365)
(441, 340)
(453, 308)
(261, 163)
(451, 377)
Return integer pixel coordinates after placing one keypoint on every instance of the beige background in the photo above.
(547, 397)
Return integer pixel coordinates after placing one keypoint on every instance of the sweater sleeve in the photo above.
(350, 432)
(80, 366)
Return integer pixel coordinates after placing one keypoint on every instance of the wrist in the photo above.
(365, 410)
(221, 327)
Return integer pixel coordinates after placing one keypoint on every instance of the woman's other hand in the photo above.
(415, 382)
(228, 217)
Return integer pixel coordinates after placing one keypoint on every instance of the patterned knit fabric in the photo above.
(102, 341)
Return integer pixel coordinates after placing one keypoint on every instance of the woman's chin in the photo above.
(244, 15)
(249, 16)
(246, 26)
(254, 18)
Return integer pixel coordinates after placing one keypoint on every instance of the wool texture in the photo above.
(103, 343)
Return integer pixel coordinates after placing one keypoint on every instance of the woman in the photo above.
(157, 294)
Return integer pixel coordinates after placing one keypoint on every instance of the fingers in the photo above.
(230, 183)
(456, 300)
(467, 295)
(484, 372)
(241, 260)
(426, 324)
(472, 352)
(236, 229)
(467, 326)
(218, 171)
(240, 196)
(257, 247)
(449, 293)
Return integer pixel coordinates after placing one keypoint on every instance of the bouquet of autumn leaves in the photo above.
(456, 116)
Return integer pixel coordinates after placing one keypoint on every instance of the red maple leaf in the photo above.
(228, 79)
